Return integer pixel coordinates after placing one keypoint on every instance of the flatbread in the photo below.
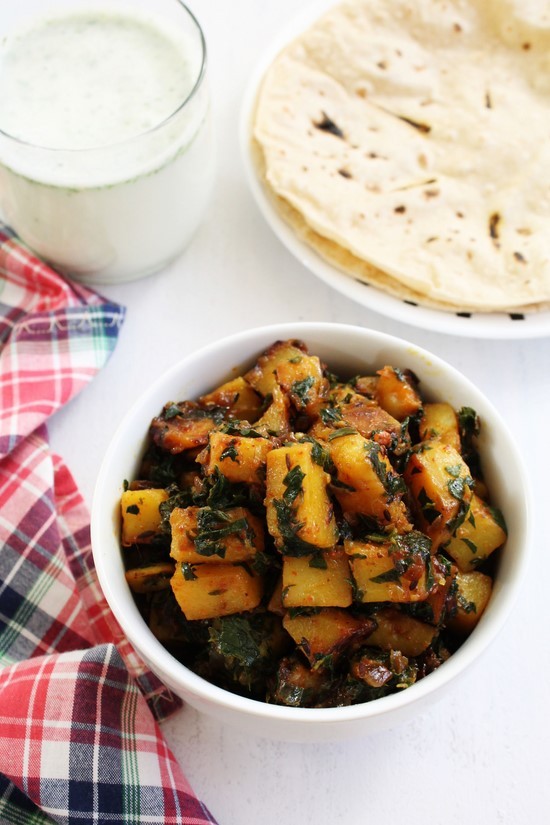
(409, 144)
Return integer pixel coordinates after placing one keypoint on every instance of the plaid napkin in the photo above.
(79, 739)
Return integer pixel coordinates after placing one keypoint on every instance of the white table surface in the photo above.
(480, 755)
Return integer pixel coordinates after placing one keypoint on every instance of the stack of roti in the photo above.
(408, 142)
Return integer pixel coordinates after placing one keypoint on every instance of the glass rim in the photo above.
(118, 143)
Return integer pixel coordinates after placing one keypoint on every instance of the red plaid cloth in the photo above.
(78, 741)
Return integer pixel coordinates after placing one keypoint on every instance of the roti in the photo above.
(409, 144)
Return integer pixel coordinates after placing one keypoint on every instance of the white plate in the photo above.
(473, 325)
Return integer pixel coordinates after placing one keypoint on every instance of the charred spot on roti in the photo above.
(517, 316)
(519, 257)
(422, 127)
(326, 124)
(488, 101)
(415, 184)
(345, 173)
(494, 226)
(400, 210)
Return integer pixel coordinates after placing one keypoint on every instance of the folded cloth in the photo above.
(79, 738)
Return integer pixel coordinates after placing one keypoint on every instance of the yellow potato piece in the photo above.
(140, 515)
(212, 590)
(307, 586)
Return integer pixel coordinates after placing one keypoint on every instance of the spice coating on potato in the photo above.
(141, 517)
(209, 590)
(298, 507)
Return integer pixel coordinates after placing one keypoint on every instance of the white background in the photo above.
(480, 755)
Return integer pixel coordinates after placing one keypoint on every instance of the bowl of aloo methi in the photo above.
(311, 530)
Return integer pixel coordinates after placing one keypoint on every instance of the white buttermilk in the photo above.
(102, 170)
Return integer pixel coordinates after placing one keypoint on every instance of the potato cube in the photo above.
(200, 534)
(305, 584)
(150, 579)
(205, 591)
(276, 418)
(440, 421)
(304, 383)
(368, 417)
(299, 509)
(441, 488)
(366, 385)
(141, 517)
(181, 427)
(238, 458)
(288, 365)
(397, 631)
(474, 592)
(392, 571)
(477, 537)
(239, 399)
(366, 482)
(322, 636)
(262, 376)
(397, 394)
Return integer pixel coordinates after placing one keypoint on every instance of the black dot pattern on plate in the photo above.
(514, 316)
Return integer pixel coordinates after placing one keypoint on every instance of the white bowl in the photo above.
(347, 350)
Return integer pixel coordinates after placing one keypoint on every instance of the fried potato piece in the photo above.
(275, 421)
(441, 488)
(365, 482)
(440, 421)
(299, 510)
(397, 631)
(141, 518)
(205, 591)
(238, 458)
(474, 592)
(150, 579)
(480, 534)
(201, 534)
(390, 571)
(322, 580)
(326, 633)
(396, 393)
(181, 427)
(237, 396)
